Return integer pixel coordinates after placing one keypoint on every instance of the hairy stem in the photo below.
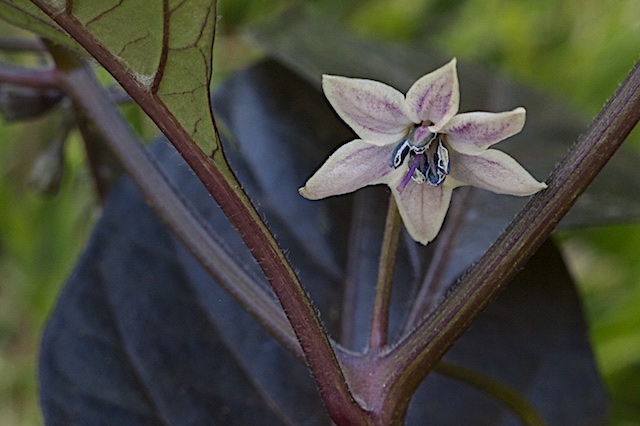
(379, 334)
(216, 175)
(87, 94)
(418, 353)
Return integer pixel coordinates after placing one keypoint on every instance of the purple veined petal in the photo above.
(495, 171)
(351, 167)
(423, 208)
(474, 132)
(435, 97)
(372, 109)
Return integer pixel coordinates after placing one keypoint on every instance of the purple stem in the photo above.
(418, 352)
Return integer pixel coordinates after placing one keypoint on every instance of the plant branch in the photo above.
(217, 177)
(379, 334)
(418, 353)
(87, 94)
(46, 78)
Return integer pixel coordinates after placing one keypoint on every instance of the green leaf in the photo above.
(165, 47)
(23, 14)
(129, 30)
(184, 87)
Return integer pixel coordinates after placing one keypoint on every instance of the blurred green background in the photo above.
(578, 49)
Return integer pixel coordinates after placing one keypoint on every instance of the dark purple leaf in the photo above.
(169, 345)
(532, 338)
(367, 219)
(142, 335)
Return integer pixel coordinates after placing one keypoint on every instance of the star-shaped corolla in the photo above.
(420, 146)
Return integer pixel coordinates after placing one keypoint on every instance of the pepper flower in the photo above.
(419, 146)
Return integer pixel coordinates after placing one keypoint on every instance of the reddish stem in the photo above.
(215, 173)
(379, 334)
(418, 353)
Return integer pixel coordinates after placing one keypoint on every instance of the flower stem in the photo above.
(419, 352)
(379, 334)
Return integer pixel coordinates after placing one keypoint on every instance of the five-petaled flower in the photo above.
(420, 146)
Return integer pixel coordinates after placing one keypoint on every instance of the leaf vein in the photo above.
(103, 13)
(132, 42)
(178, 6)
(162, 64)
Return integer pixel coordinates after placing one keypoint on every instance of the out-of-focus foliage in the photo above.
(605, 263)
(578, 49)
(40, 239)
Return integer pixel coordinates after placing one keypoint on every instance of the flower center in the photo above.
(428, 162)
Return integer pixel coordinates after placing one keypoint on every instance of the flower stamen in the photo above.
(413, 139)
(417, 159)
(428, 163)
(438, 165)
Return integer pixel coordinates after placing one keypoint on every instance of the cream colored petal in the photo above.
(353, 166)
(372, 109)
(495, 171)
(474, 132)
(423, 208)
(435, 97)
